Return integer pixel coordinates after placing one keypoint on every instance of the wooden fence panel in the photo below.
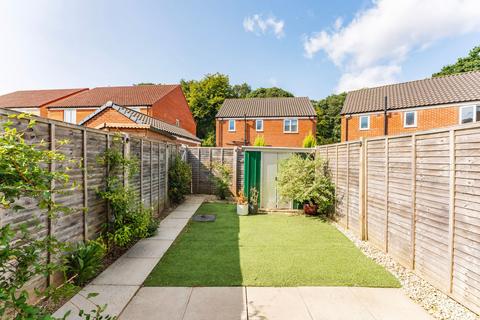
(399, 213)
(353, 187)
(342, 196)
(376, 192)
(432, 208)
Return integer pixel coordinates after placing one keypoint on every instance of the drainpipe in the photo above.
(347, 117)
(245, 129)
(385, 118)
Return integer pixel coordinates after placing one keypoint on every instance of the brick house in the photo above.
(112, 117)
(411, 106)
(283, 122)
(164, 102)
(35, 102)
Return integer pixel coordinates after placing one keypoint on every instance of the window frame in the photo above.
(177, 122)
(414, 125)
(474, 118)
(257, 121)
(234, 125)
(360, 122)
(71, 112)
(290, 125)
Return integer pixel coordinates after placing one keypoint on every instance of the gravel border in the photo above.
(435, 302)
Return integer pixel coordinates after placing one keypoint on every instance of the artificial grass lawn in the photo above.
(265, 250)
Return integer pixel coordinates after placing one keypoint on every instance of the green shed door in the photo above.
(252, 164)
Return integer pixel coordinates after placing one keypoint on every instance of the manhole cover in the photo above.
(204, 217)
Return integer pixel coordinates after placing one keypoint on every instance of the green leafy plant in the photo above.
(259, 141)
(309, 141)
(222, 179)
(306, 180)
(179, 179)
(253, 196)
(85, 260)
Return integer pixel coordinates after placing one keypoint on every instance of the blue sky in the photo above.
(311, 48)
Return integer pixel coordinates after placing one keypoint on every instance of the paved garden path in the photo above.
(119, 286)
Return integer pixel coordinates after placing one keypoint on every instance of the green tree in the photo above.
(241, 90)
(464, 64)
(269, 93)
(205, 97)
(328, 113)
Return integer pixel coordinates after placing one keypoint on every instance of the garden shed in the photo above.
(261, 165)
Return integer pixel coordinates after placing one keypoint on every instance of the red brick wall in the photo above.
(272, 132)
(426, 119)
(172, 107)
(108, 116)
(58, 114)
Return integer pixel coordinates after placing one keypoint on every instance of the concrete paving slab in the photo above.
(162, 303)
(170, 222)
(69, 306)
(126, 271)
(167, 233)
(276, 303)
(181, 214)
(216, 303)
(333, 303)
(115, 297)
(149, 248)
(389, 303)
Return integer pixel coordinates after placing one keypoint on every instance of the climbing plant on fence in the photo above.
(24, 172)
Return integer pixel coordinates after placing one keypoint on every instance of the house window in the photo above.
(70, 116)
(469, 114)
(290, 125)
(364, 122)
(259, 125)
(231, 125)
(177, 123)
(410, 119)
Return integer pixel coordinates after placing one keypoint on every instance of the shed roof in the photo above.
(267, 107)
(462, 87)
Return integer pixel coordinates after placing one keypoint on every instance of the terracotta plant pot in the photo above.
(310, 209)
(252, 208)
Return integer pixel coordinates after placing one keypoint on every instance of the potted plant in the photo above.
(307, 181)
(242, 204)
(253, 203)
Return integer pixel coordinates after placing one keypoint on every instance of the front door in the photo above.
(269, 197)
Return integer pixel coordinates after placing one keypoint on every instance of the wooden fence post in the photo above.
(107, 172)
(159, 180)
(414, 197)
(361, 190)
(451, 211)
(126, 154)
(50, 226)
(198, 170)
(141, 171)
(85, 187)
(386, 192)
(167, 160)
(151, 175)
(348, 186)
(336, 178)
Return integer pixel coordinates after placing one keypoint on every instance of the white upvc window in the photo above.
(364, 123)
(259, 125)
(231, 125)
(177, 123)
(290, 125)
(70, 116)
(410, 119)
(469, 114)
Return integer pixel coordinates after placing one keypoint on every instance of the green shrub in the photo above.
(309, 141)
(306, 180)
(259, 141)
(179, 180)
(222, 178)
(84, 261)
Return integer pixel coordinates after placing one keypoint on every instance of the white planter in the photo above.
(242, 209)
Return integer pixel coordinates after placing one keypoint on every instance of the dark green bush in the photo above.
(84, 261)
(179, 180)
(222, 178)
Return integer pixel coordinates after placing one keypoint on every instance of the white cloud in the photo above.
(371, 48)
(261, 26)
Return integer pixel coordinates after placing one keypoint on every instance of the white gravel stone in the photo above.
(438, 304)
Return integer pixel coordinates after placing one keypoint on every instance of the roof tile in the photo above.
(34, 98)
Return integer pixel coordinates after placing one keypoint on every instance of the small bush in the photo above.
(84, 261)
(179, 180)
(259, 141)
(309, 141)
(222, 178)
